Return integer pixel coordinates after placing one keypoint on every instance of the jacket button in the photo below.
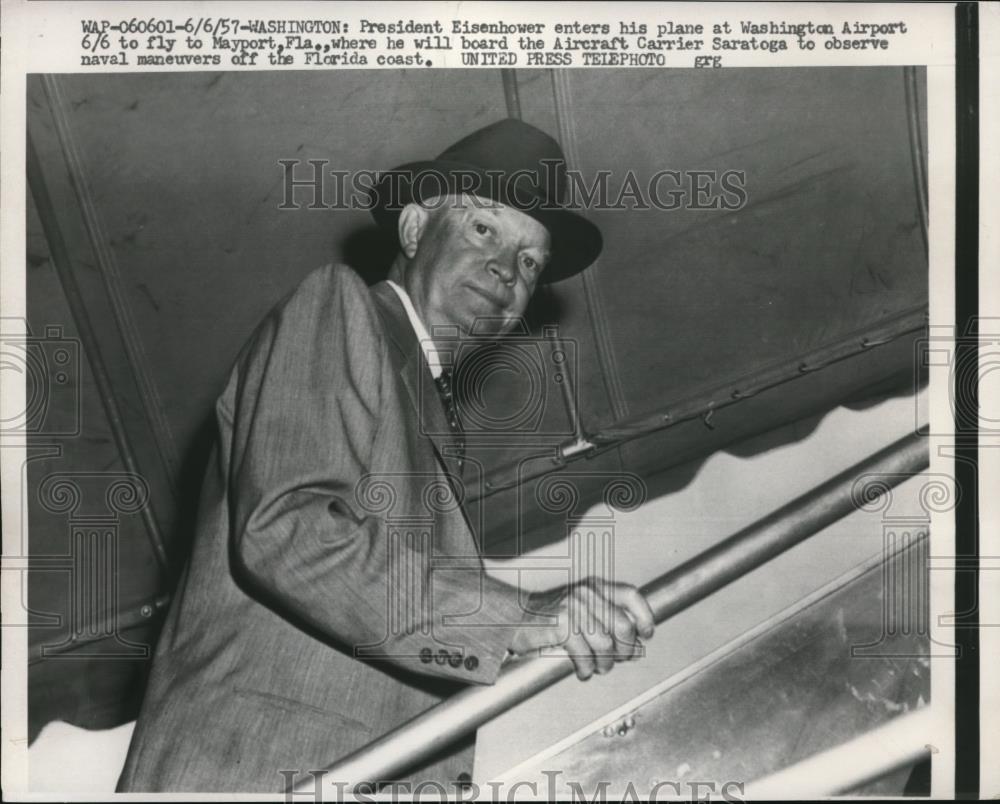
(464, 778)
(471, 663)
(455, 660)
(425, 655)
(442, 656)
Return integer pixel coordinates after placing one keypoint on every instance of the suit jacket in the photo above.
(335, 589)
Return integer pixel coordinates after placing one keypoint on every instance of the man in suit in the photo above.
(315, 613)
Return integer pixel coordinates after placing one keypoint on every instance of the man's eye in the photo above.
(482, 228)
(530, 264)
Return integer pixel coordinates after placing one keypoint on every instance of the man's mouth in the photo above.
(492, 298)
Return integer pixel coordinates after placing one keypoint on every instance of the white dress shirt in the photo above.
(426, 343)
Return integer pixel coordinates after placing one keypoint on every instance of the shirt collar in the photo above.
(426, 343)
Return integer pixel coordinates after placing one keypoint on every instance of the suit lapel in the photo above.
(412, 368)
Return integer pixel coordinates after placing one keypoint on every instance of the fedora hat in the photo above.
(511, 162)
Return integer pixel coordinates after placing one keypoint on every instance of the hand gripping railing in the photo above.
(394, 753)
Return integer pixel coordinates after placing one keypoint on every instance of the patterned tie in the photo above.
(446, 392)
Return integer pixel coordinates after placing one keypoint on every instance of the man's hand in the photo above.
(597, 622)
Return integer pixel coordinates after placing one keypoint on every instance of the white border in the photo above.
(44, 36)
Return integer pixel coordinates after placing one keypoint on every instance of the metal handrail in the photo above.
(900, 742)
(400, 750)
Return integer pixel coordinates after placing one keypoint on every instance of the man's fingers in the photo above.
(633, 601)
(606, 620)
(601, 643)
(616, 623)
(582, 656)
(626, 639)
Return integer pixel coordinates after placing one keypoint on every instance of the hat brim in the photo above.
(576, 242)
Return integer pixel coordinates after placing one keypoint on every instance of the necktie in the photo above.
(446, 392)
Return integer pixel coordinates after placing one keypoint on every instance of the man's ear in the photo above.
(412, 223)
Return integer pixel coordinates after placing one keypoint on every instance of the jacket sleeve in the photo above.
(306, 412)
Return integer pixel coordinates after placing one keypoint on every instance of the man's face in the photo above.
(475, 260)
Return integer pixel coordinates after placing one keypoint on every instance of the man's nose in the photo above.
(503, 268)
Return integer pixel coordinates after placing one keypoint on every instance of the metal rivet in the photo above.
(629, 722)
(609, 731)
(146, 611)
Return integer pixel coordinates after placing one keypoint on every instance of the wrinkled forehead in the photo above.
(511, 220)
